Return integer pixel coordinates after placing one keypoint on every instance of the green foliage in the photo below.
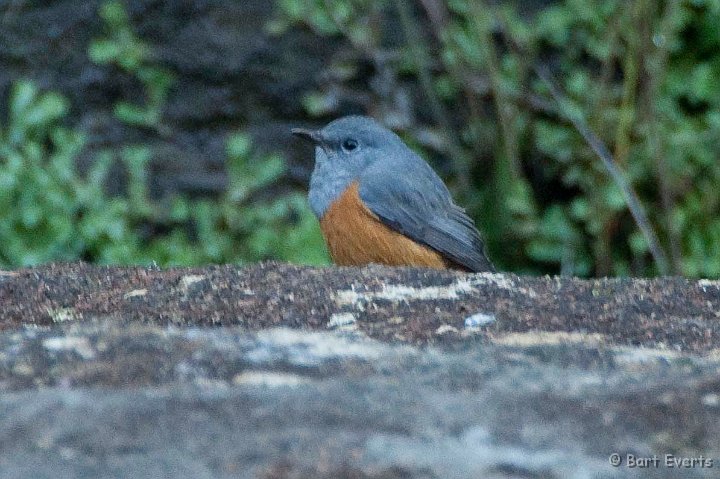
(271, 223)
(50, 212)
(43, 201)
(121, 47)
(641, 74)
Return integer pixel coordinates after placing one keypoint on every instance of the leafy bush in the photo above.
(50, 212)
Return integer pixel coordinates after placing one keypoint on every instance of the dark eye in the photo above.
(349, 144)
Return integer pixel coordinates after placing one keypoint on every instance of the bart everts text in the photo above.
(656, 461)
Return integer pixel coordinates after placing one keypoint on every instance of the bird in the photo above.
(377, 201)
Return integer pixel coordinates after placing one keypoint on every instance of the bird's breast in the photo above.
(356, 236)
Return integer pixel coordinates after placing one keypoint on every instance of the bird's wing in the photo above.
(417, 204)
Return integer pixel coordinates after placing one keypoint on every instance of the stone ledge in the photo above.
(390, 304)
(352, 373)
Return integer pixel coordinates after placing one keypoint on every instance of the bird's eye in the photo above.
(349, 144)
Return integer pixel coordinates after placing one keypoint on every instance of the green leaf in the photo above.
(104, 51)
(113, 12)
(238, 145)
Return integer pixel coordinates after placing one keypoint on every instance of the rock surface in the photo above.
(279, 371)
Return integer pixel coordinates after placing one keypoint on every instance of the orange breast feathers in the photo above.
(355, 236)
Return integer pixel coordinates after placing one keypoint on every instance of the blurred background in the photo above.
(141, 132)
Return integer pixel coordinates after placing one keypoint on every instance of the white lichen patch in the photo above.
(501, 281)
(269, 379)
(311, 348)
(341, 320)
(478, 320)
(61, 315)
(210, 384)
(23, 369)
(135, 293)
(404, 293)
(707, 283)
(77, 344)
(461, 287)
(445, 329)
(629, 355)
(711, 400)
(538, 338)
(713, 355)
(190, 279)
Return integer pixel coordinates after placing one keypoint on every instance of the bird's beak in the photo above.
(309, 135)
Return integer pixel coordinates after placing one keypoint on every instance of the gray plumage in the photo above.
(395, 184)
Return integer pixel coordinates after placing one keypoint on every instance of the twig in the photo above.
(634, 205)
(631, 77)
(656, 66)
(501, 100)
